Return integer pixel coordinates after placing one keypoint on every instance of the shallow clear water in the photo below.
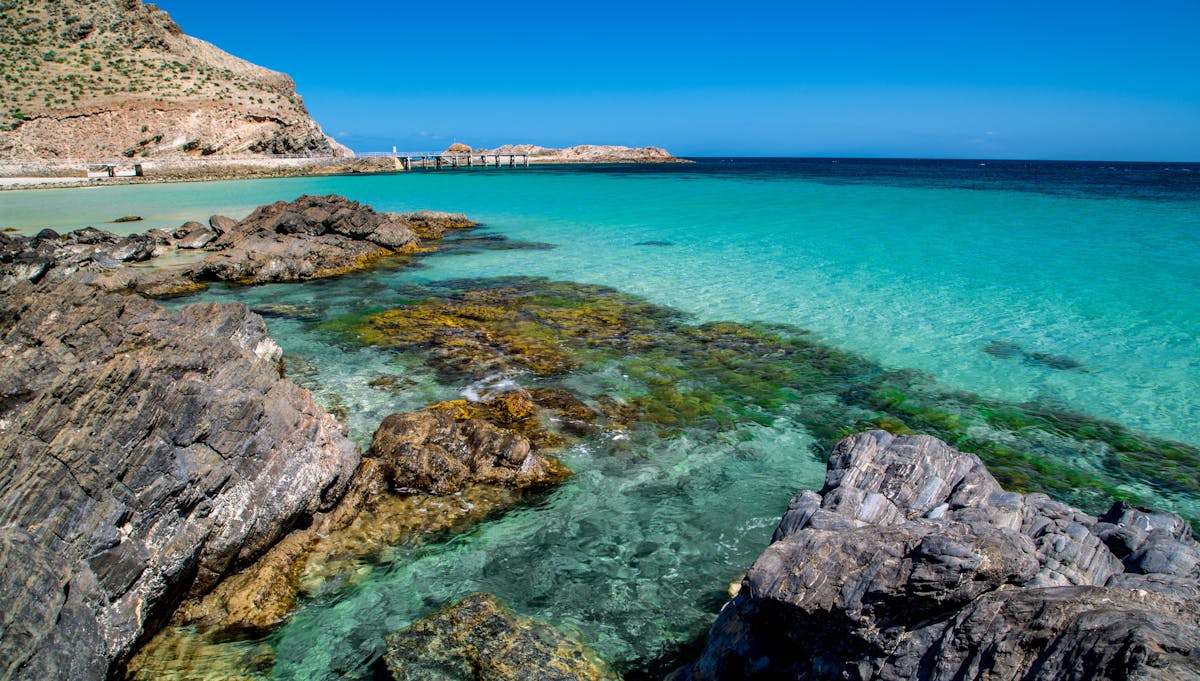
(904, 262)
(913, 265)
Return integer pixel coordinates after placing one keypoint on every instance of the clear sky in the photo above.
(1103, 79)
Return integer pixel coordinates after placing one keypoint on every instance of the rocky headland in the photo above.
(95, 79)
(913, 563)
(584, 153)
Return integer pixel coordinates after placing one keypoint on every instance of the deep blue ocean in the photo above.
(1066, 285)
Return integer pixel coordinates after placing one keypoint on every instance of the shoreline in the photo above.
(180, 170)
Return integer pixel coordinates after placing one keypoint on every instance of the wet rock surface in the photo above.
(913, 562)
(439, 469)
(101, 258)
(149, 453)
(317, 236)
(438, 451)
(478, 639)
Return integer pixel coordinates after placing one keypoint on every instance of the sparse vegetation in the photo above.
(63, 55)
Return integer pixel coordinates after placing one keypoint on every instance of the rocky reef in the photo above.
(96, 79)
(317, 236)
(913, 562)
(149, 453)
(718, 374)
(308, 238)
(478, 639)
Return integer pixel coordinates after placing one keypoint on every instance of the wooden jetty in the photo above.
(437, 160)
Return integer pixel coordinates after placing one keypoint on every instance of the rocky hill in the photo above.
(111, 78)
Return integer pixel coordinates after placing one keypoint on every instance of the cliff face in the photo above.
(110, 78)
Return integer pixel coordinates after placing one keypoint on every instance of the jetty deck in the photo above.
(436, 160)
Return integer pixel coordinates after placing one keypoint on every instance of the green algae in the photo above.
(717, 375)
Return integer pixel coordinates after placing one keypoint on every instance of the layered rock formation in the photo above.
(108, 78)
(478, 639)
(912, 562)
(584, 153)
(148, 453)
(317, 236)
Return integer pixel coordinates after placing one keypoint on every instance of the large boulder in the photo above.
(912, 562)
(478, 639)
(148, 453)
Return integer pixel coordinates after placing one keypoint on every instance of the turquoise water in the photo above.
(912, 266)
(921, 276)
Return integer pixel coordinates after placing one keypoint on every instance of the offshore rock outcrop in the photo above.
(912, 562)
(478, 639)
(317, 236)
(583, 153)
(148, 453)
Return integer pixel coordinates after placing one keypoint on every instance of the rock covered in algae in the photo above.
(438, 451)
(717, 375)
(478, 639)
(441, 468)
(148, 453)
(317, 236)
(913, 562)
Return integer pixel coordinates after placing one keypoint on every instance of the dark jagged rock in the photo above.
(195, 235)
(99, 256)
(221, 223)
(308, 238)
(912, 562)
(478, 639)
(316, 236)
(148, 453)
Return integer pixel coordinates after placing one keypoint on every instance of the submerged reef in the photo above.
(478, 639)
(717, 374)
(913, 563)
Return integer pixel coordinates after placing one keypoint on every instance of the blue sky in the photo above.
(971, 78)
